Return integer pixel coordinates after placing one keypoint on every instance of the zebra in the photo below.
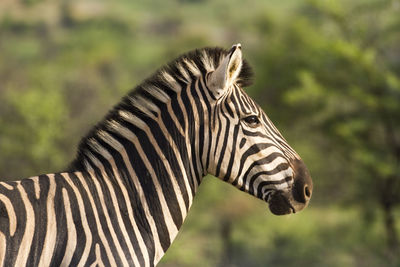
(123, 199)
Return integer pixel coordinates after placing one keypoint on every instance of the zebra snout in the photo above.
(298, 196)
(301, 191)
(303, 186)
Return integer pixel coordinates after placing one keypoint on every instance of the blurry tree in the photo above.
(342, 69)
(327, 73)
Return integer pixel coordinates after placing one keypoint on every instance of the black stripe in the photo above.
(172, 157)
(242, 142)
(244, 102)
(179, 141)
(209, 134)
(224, 145)
(192, 133)
(251, 151)
(137, 208)
(61, 221)
(233, 152)
(145, 179)
(268, 183)
(108, 200)
(228, 109)
(81, 237)
(279, 168)
(163, 177)
(95, 193)
(254, 134)
(200, 112)
(19, 208)
(40, 209)
(89, 216)
(235, 100)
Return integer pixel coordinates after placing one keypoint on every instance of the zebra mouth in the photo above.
(279, 204)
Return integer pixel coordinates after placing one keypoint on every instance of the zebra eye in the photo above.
(252, 121)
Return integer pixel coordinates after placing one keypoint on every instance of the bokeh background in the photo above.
(327, 74)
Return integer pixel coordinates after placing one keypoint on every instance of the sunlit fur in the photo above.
(125, 196)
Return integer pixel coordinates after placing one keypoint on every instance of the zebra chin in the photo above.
(283, 203)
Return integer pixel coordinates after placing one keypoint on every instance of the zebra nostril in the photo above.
(302, 187)
(307, 192)
(300, 191)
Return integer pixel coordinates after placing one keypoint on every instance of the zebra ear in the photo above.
(228, 71)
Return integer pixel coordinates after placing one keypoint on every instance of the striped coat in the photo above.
(124, 198)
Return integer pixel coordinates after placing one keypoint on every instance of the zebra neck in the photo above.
(152, 167)
(153, 154)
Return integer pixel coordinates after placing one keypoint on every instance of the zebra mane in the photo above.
(158, 87)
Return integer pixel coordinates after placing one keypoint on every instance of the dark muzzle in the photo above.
(282, 203)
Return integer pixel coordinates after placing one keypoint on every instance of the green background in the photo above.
(326, 72)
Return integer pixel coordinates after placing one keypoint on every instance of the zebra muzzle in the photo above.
(279, 204)
(299, 195)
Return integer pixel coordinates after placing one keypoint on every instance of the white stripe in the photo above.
(51, 225)
(110, 226)
(97, 219)
(173, 84)
(172, 229)
(184, 73)
(139, 103)
(206, 122)
(208, 63)
(85, 225)
(3, 248)
(98, 262)
(116, 207)
(116, 145)
(275, 177)
(259, 155)
(71, 230)
(197, 130)
(192, 67)
(266, 194)
(148, 104)
(271, 166)
(219, 152)
(87, 165)
(26, 242)
(157, 245)
(36, 186)
(182, 168)
(158, 93)
(7, 186)
(186, 135)
(178, 126)
(177, 191)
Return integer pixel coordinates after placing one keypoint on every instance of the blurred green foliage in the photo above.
(327, 74)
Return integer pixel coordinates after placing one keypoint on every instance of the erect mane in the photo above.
(182, 70)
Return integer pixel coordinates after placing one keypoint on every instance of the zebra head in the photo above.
(247, 150)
